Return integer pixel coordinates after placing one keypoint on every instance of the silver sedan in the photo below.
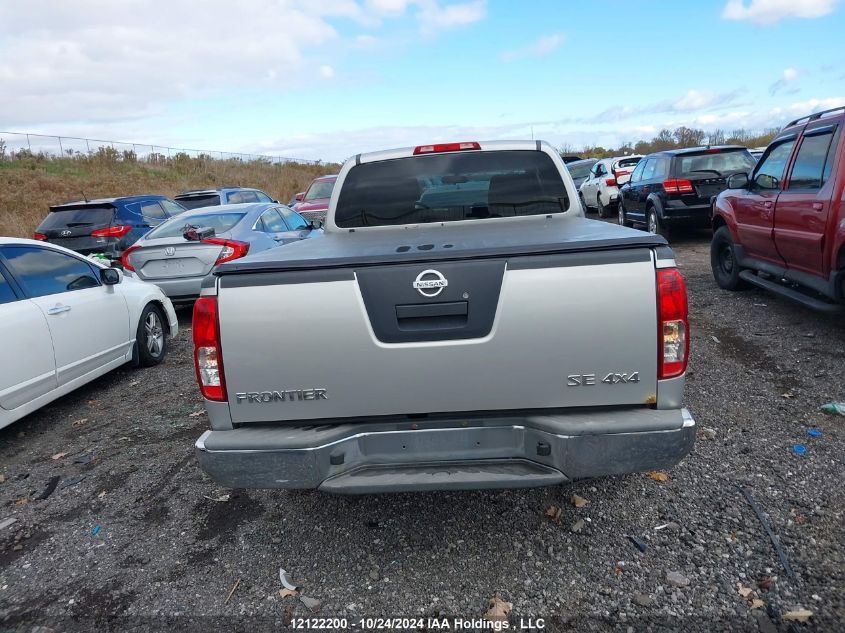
(179, 254)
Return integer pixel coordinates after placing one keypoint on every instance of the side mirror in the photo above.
(738, 181)
(300, 196)
(111, 276)
(316, 224)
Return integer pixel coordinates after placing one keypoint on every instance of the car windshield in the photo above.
(196, 202)
(716, 163)
(320, 189)
(59, 218)
(175, 227)
(449, 187)
(580, 170)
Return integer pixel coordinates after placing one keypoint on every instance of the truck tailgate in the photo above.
(573, 329)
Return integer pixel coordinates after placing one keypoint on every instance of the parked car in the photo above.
(570, 158)
(756, 152)
(221, 195)
(65, 320)
(782, 227)
(177, 256)
(315, 201)
(580, 170)
(601, 187)
(105, 225)
(676, 188)
(456, 346)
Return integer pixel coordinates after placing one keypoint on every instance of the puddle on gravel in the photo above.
(220, 519)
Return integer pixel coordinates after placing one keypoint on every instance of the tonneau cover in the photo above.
(478, 240)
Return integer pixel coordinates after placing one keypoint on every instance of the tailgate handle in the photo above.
(432, 316)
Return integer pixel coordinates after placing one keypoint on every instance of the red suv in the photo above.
(314, 204)
(782, 227)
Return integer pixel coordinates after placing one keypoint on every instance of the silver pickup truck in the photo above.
(449, 331)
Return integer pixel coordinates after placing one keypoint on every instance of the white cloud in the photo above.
(340, 144)
(387, 7)
(434, 17)
(698, 99)
(366, 42)
(100, 61)
(337, 145)
(786, 83)
(766, 12)
(542, 47)
(690, 101)
(757, 118)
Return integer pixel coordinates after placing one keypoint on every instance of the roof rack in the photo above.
(815, 116)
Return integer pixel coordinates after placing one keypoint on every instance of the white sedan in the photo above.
(66, 320)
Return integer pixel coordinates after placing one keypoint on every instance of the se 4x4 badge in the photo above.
(587, 380)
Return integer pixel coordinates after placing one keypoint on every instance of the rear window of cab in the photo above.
(451, 187)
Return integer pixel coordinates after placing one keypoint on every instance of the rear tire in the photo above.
(151, 337)
(654, 225)
(600, 208)
(723, 261)
(623, 221)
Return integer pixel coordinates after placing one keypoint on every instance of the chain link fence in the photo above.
(15, 145)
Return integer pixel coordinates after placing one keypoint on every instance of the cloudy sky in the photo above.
(329, 78)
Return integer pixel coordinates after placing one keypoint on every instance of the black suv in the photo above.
(221, 195)
(677, 187)
(105, 225)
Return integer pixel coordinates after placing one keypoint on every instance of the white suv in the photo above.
(601, 189)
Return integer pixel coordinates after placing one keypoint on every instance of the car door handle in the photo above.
(58, 309)
(767, 204)
(818, 206)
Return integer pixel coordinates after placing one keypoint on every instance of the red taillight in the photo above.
(124, 258)
(232, 249)
(677, 186)
(112, 231)
(610, 182)
(445, 147)
(40, 237)
(673, 324)
(208, 361)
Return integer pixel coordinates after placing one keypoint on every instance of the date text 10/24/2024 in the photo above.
(416, 623)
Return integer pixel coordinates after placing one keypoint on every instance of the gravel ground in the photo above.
(141, 543)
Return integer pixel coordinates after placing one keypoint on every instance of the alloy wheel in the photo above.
(154, 334)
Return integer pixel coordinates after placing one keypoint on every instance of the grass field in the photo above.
(29, 184)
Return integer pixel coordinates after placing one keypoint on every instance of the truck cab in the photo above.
(781, 227)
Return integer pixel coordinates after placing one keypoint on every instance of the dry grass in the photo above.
(30, 184)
